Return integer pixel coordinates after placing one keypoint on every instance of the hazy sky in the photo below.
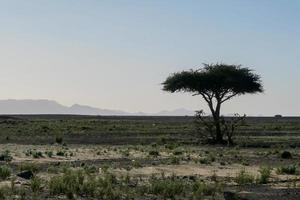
(114, 54)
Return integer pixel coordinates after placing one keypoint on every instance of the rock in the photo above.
(25, 174)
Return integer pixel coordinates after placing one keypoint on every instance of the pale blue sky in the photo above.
(114, 54)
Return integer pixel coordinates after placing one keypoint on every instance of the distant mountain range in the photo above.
(29, 106)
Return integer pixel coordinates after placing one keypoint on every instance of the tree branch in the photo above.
(228, 97)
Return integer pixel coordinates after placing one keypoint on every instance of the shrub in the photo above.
(68, 184)
(177, 152)
(4, 192)
(107, 188)
(22, 192)
(30, 166)
(290, 169)
(286, 155)
(35, 184)
(166, 188)
(49, 154)
(60, 153)
(5, 156)
(58, 139)
(5, 172)
(212, 157)
(174, 160)
(171, 146)
(89, 169)
(89, 186)
(201, 189)
(37, 154)
(265, 173)
(136, 164)
(76, 182)
(56, 185)
(244, 178)
(205, 161)
(153, 153)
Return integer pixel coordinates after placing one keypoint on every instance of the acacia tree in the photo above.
(216, 83)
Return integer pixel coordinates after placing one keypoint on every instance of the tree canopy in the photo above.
(219, 81)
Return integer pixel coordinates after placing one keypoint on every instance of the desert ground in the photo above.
(97, 157)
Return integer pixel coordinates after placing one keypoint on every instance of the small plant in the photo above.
(4, 192)
(58, 139)
(244, 178)
(49, 154)
(37, 154)
(5, 156)
(30, 166)
(60, 153)
(56, 185)
(174, 160)
(89, 169)
(22, 192)
(171, 146)
(212, 157)
(205, 161)
(201, 189)
(5, 172)
(166, 188)
(68, 184)
(153, 153)
(136, 164)
(35, 184)
(265, 173)
(290, 169)
(177, 152)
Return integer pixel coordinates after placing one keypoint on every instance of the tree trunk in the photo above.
(219, 134)
(216, 117)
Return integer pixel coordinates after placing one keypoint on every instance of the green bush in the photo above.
(37, 154)
(58, 139)
(153, 153)
(166, 188)
(205, 161)
(5, 172)
(4, 192)
(76, 182)
(49, 154)
(174, 160)
(60, 153)
(69, 184)
(177, 152)
(244, 178)
(31, 166)
(290, 169)
(265, 173)
(107, 188)
(201, 189)
(56, 185)
(36, 184)
(5, 156)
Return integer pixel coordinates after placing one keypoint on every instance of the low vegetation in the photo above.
(162, 159)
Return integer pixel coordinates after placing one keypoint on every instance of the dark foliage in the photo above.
(216, 83)
(286, 155)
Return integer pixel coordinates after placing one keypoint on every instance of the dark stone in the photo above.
(25, 174)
